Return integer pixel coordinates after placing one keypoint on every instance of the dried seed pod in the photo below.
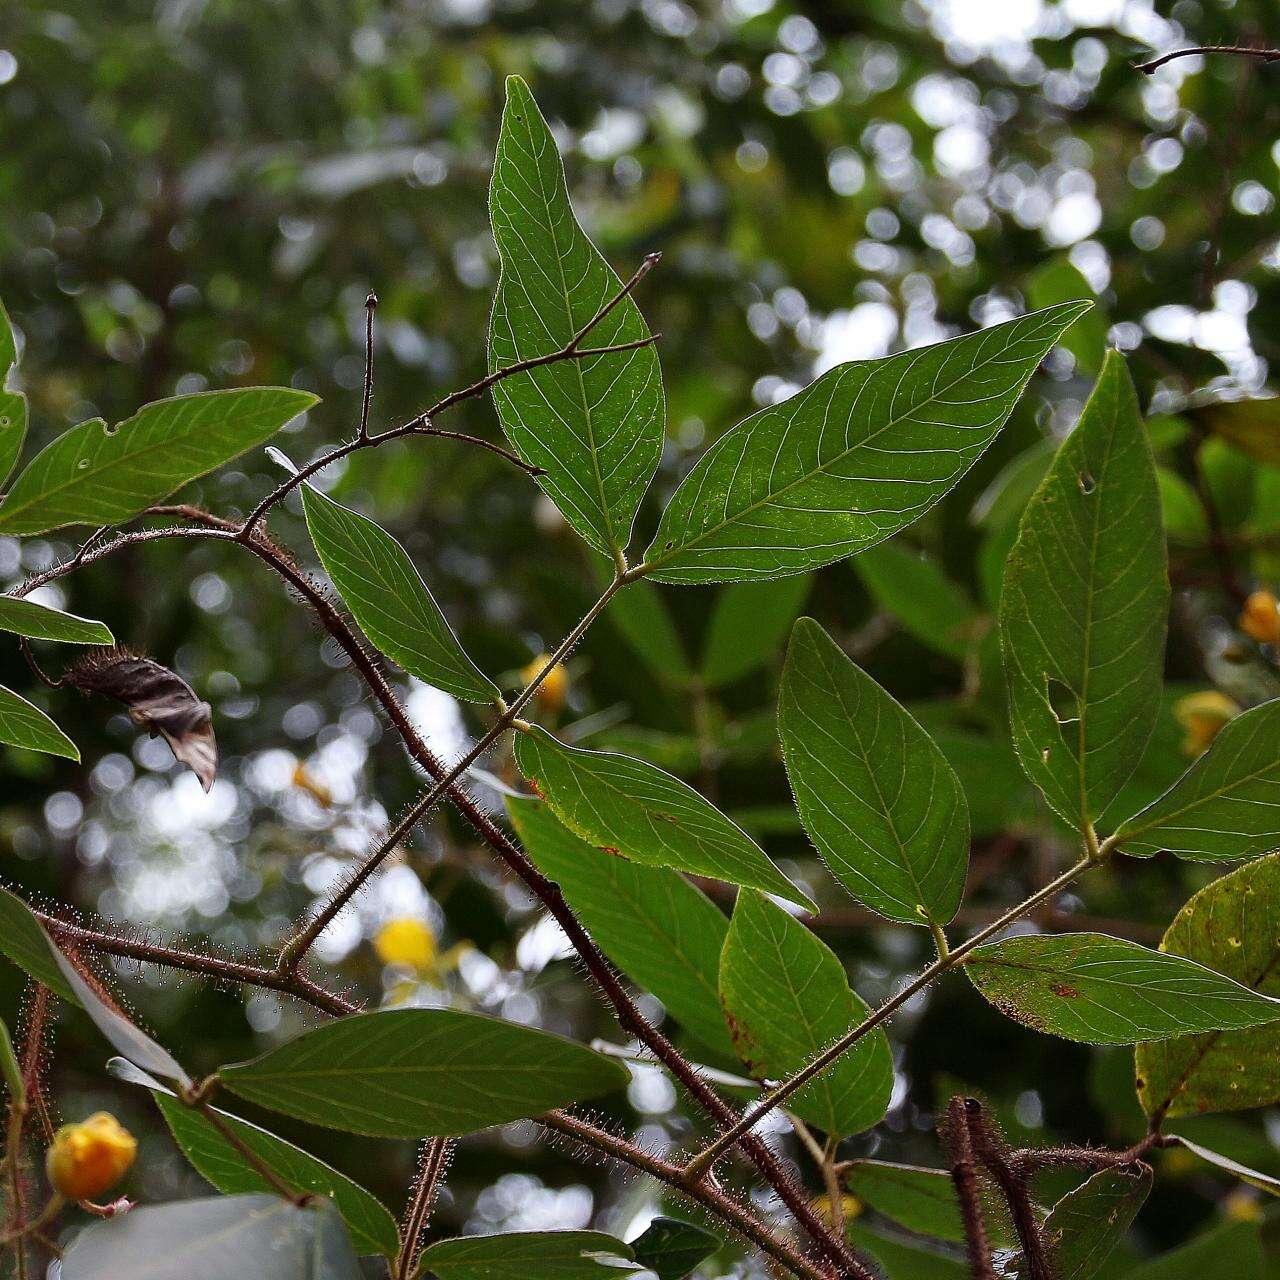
(159, 701)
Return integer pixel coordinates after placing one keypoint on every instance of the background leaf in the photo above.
(857, 455)
(25, 942)
(388, 598)
(922, 1200)
(748, 622)
(660, 930)
(523, 1255)
(25, 617)
(1101, 990)
(24, 725)
(409, 1073)
(671, 1249)
(1086, 1224)
(1084, 608)
(631, 809)
(1061, 281)
(1233, 1249)
(594, 425)
(1227, 805)
(921, 597)
(901, 1260)
(95, 474)
(641, 615)
(222, 1238)
(1252, 426)
(1253, 1177)
(1229, 926)
(875, 793)
(786, 997)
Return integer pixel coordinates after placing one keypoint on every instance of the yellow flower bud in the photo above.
(1242, 1205)
(553, 692)
(89, 1158)
(850, 1207)
(1202, 715)
(1260, 617)
(406, 941)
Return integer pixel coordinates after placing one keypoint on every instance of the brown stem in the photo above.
(704, 1192)
(370, 307)
(251, 1157)
(432, 1164)
(628, 1014)
(1013, 1186)
(964, 1175)
(1235, 50)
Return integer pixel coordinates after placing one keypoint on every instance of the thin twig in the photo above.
(431, 1166)
(370, 307)
(1235, 50)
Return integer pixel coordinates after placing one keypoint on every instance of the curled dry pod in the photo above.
(159, 701)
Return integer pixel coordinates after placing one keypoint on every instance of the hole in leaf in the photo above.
(1087, 483)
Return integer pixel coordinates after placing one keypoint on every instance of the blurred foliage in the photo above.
(200, 193)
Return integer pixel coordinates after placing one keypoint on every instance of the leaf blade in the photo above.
(817, 478)
(388, 598)
(22, 724)
(1101, 990)
(1223, 806)
(594, 425)
(660, 930)
(786, 998)
(635, 810)
(1084, 608)
(36, 621)
(409, 1073)
(874, 791)
(518, 1255)
(92, 474)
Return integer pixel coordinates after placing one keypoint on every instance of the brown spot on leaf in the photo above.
(160, 701)
(610, 848)
(1066, 992)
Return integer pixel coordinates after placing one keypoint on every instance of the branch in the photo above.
(432, 1165)
(572, 350)
(704, 1160)
(1236, 50)
(964, 1175)
(628, 1014)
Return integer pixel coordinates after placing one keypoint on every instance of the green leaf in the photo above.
(921, 597)
(856, 456)
(1086, 1224)
(660, 930)
(25, 942)
(409, 1073)
(1227, 805)
(875, 793)
(100, 475)
(388, 598)
(1060, 281)
(42, 622)
(1229, 926)
(528, 1255)
(671, 1249)
(1101, 990)
(372, 1228)
(1252, 426)
(10, 1071)
(221, 1238)
(922, 1200)
(25, 725)
(595, 425)
(13, 404)
(749, 621)
(1084, 608)
(1234, 1249)
(902, 1261)
(640, 614)
(1263, 1181)
(786, 998)
(632, 809)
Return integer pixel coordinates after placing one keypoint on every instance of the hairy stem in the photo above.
(432, 1164)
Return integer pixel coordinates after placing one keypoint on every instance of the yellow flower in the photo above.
(406, 941)
(89, 1158)
(1242, 1205)
(1260, 617)
(553, 692)
(304, 781)
(1202, 715)
(849, 1204)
